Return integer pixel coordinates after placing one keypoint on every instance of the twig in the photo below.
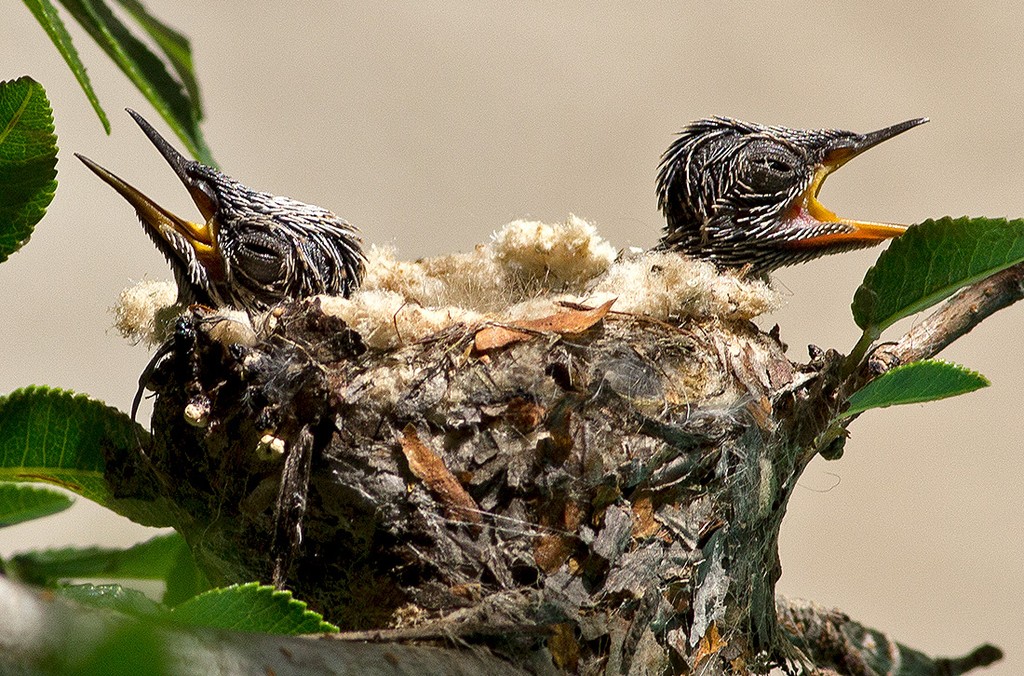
(955, 318)
(837, 644)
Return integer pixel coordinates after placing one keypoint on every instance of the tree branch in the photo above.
(43, 632)
(955, 318)
(838, 644)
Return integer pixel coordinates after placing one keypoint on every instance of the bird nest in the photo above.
(574, 458)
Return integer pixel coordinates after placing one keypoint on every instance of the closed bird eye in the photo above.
(261, 259)
(768, 170)
(774, 164)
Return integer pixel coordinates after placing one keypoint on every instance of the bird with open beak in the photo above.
(254, 249)
(746, 195)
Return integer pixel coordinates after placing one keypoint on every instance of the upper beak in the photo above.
(854, 232)
(160, 221)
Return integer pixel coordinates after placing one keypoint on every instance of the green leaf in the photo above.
(930, 262)
(153, 559)
(28, 161)
(145, 70)
(23, 503)
(46, 14)
(184, 579)
(64, 439)
(164, 557)
(112, 597)
(926, 380)
(127, 650)
(175, 47)
(250, 607)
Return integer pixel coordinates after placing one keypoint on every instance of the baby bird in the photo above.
(746, 195)
(254, 249)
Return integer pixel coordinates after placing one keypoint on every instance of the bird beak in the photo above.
(158, 220)
(850, 232)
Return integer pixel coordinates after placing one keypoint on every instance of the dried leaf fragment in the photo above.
(710, 644)
(551, 551)
(565, 650)
(570, 321)
(524, 415)
(644, 523)
(431, 470)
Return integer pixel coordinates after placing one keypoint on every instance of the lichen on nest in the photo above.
(525, 272)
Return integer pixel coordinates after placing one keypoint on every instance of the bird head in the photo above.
(252, 249)
(739, 194)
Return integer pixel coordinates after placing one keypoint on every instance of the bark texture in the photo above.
(591, 493)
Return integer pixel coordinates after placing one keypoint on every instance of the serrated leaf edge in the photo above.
(291, 602)
(983, 382)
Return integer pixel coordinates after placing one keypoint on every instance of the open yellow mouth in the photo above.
(855, 232)
(201, 237)
(810, 215)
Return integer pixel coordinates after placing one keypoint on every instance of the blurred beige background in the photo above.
(431, 124)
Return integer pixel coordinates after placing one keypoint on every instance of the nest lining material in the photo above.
(525, 272)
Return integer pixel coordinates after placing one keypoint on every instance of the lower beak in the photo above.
(838, 231)
(826, 229)
(160, 221)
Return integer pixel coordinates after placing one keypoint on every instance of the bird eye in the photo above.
(260, 260)
(769, 170)
(774, 164)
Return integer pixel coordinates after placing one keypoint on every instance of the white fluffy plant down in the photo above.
(526, 271)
